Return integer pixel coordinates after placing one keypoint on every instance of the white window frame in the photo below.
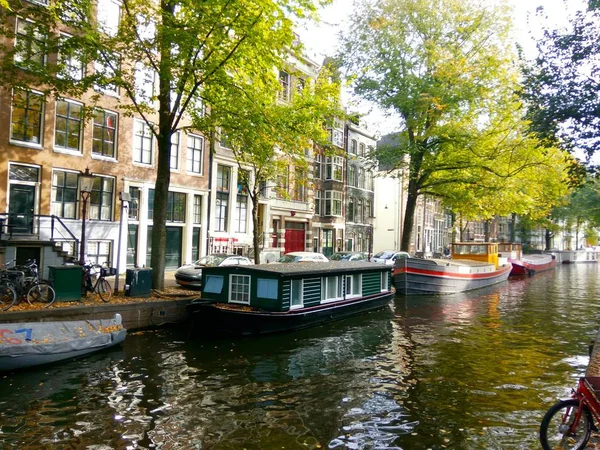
(327, 296)
(384, 281)
(174, 160)
(103, 129)
(102, 68)
(141, 136)
(36, 36)
(334, 169)
(145, 83)
(333, 198)
(76, 151)
(349, 282)
(300, 304)
(106, 13)
(40, 136)
(74, 67)
(191, 151)
(247, 281)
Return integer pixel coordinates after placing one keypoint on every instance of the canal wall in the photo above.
(593, 368)
(134, 315)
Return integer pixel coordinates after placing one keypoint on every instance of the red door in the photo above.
(294, 240)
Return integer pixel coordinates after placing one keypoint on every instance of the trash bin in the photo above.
(138, 282)
(66, 281)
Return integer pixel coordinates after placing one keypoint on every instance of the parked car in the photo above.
(190, 275)
(294, 257)
(349, 256)
(389, 257)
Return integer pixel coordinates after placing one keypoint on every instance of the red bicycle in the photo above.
(569, 423)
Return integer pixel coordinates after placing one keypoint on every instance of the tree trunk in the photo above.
(255, 229)
(409, 216)
(548, 236)
(513, 228)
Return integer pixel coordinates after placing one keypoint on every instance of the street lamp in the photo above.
(86, 181)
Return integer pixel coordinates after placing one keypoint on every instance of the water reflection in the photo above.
(469, 371)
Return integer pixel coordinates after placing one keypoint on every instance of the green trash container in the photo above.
(67, 282)
(138, 282)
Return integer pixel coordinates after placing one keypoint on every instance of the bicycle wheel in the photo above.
(8, 297)
(104, 290)
(557, 431)
(41, 292)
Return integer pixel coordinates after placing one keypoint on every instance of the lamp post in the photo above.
(86, 181)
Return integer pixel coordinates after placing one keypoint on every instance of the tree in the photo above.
(561, 83)
(186, 46)
(446, 70)
(269, 134)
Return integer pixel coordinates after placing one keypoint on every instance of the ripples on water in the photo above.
(472, 371)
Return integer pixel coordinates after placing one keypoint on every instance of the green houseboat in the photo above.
(269, 298)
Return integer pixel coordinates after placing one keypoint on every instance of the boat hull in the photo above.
(532, 264)
(414, 276)
(24, 345)
(209, 318)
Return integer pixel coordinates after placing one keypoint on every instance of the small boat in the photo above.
(474, 265)
(27, 344)
(584, 256)
(525, 264)
(269, 298)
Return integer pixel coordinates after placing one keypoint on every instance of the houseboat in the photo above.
(473, 265)
(525, 264)
(269, 298)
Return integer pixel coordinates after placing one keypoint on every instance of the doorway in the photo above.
(20, 208)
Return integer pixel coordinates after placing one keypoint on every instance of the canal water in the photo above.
(469, 371)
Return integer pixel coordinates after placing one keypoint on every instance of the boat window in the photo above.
(332, 288)
(266, 288)
(296, 294)
(384, 281)
(214, 284)
(353, 285)
(239, 289)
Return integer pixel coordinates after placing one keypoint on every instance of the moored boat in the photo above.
(525, 264)
(28, 344)
(269, 298)
(474, 265)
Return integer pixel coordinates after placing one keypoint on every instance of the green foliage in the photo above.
(561, 84)
(446, 70)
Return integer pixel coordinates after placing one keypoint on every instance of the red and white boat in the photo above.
(525, 264)
(474, 265)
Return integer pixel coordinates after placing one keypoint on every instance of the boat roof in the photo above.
(305, 268)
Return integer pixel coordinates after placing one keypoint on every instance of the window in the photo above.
(101, 198)
(27, 114)
(337, 137)
(353, 285)
(104, 134)
(221, 207)
(98, 252)
(109, 14)
(318, 202)
(283, 183)
(195, 147)
(197, 209)
(64, 194)
(331, 288)
(241, 209)
(334, 168)
(67, 129)
(333, 203)
(384, 281)
(350, 210)
(224, 142)
(175, 207)
(361, 149)
(239, 289)
(150, 204)
(174, 154)
(368, 209)
(214, 284)
(296, 300)
(369, 180)
(73, 12)
(70, 59)
(30, 44)
(284, 81)
(106, 66)
(318, 167)
(359, 211)
(134, 204)
(351, 176)
(361, 178)
(223, 178)
(266, 288)
(145, 78)
(353, 146)
(142, 143)
(300, 185)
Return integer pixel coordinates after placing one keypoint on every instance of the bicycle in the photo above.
(568, 423)
(101, 287)
(24, 282)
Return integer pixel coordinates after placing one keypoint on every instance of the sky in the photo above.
(321, 39)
